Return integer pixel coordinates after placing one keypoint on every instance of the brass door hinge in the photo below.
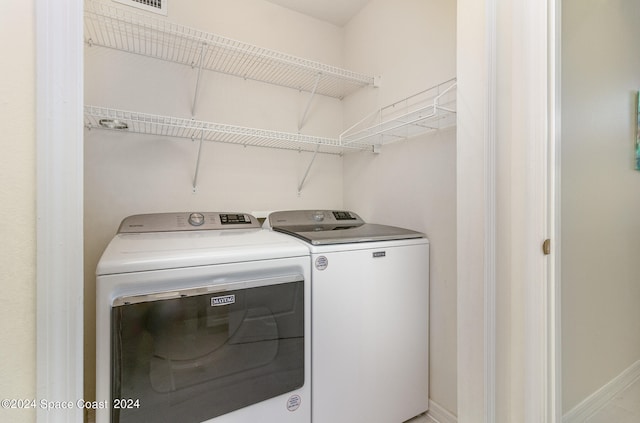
(546, 247)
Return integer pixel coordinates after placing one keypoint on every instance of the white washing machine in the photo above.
(370, 316)
(202, 317)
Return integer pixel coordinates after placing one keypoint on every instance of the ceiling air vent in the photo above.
(157, 6)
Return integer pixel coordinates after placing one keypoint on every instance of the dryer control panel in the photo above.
(187, 221)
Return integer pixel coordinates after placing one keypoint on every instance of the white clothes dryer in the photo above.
(202, 317)
(370, 316)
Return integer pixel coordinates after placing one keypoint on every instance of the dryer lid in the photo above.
(171, 241)
(326, 227)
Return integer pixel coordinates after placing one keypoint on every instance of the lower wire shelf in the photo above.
(429, 110)
(142, 123)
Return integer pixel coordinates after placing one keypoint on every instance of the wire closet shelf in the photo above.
(429, 110)
(112, 27)
(166, 126)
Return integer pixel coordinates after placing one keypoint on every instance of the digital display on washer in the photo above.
(342, 215)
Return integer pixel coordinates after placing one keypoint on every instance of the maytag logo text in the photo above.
(225, 300)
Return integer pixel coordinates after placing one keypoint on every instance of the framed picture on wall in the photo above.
(638, 131)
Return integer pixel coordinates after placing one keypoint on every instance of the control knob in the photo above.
(196, 219)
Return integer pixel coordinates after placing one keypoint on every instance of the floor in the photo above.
(624, 408)
(420, 419)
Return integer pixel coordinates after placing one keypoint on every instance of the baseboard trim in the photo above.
(439, 414)
(603, 396)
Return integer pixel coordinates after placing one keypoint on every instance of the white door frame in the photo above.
(476, 229)
(60, 208)
(506, 208)
(554, 381)
(59, 255)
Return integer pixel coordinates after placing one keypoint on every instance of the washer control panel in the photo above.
(317, 218)
(194, 221)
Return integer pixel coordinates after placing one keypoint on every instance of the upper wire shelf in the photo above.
(426, 111)
(142, 123)
(113, 27)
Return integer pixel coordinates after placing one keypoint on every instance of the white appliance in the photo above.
(202, 317)
(370, 316)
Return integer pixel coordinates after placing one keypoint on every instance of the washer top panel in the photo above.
(326, 227)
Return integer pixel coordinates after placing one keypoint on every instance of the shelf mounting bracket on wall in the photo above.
(203, 49)
(195, 175)
(306, 109)
(304, 178)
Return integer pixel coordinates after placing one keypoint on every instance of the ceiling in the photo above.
(337, 12)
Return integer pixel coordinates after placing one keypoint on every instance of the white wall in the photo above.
(600, 201)
(411, 44)
(17, 207)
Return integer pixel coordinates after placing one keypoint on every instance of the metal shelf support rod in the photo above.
(304, 178)
(195, 94)
(306, 109)
(195, 175)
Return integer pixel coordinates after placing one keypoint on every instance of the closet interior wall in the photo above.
(412, 45)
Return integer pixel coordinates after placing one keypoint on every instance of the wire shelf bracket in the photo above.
(303, 120)
(195, 174)
(306, 173)
(196, 91)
